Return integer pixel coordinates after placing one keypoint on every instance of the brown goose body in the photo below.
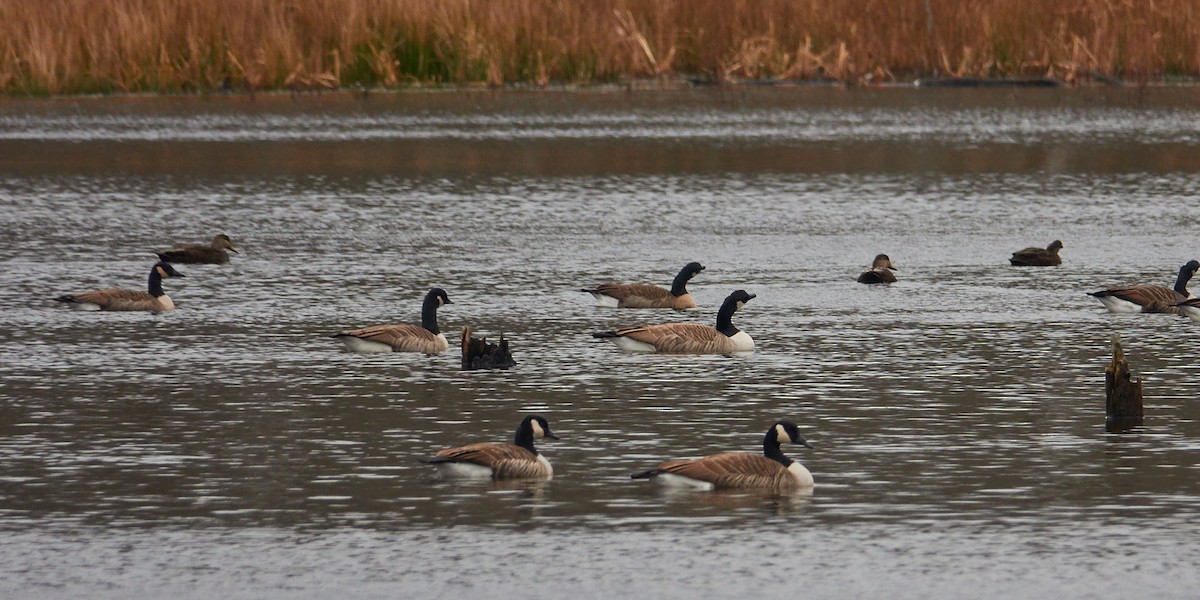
(1038, 257)
(212, 254)
(152, 300)
(734, 470)
(643, 295)
(401, 338)
(1149, 298)
(681, 338)
(688, 338)
(518, 460)
(769, 470)
(880, 272)
(121, 300)
(425, 338)
(507, 461)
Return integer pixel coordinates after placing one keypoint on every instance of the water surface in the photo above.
(231, 448)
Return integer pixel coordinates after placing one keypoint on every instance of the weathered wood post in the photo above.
(477, 353)
(1123, 393)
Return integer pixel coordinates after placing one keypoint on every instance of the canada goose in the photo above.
(881, 271)
(688, 338)
(1149, 298)
(1038, 257)
(154, 299)
(641, 295)
(518, 460)
(740, 469)
(1190, 308)
(213, 254)
(425, 338)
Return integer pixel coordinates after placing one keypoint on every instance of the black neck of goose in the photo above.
(725, 319)
(155, 283)
(524, 438)
(679, 286)
(771, 450)
(1185, 275)
(429, 315)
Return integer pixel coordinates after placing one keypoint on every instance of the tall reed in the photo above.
(74, 46)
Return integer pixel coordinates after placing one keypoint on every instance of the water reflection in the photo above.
(958, 409)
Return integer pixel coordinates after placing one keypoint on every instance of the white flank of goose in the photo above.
(425, 338)
(771, 469)
(152, 300)
(1190, 308)
(688, 338)
(518, 460)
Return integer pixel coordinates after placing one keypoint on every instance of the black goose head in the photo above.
(780, 432)
(731, 305)
(1185, 275)
(531, 428)
(433, 299)
(786, 431)
(159, 272)
(164, 270)
(437, 297)
(679, 285)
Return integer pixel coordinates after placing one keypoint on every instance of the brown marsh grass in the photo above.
(81, 46)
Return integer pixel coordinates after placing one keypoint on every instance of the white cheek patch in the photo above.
(538, 432)
(740, 305)
(781, 434)
(162, 272)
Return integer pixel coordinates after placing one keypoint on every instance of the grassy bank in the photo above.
(86, 46)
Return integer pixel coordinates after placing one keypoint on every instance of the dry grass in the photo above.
(73, 46)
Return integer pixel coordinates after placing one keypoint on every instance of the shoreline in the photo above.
(640, 86)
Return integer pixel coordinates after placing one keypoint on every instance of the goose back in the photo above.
(736, 470)
(395, 338)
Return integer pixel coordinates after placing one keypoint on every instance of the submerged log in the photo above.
(477, 353)
(1123, 393)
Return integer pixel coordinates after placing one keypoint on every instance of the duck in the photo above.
(881, 271)
(518, 460)
(1038, 257)
(197, 254)
(154, 299)
(642, 295)
(732, 470)
(688, 338)
(425, 338)
(1149, 298)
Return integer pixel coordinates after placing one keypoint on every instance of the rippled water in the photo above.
(230, 448)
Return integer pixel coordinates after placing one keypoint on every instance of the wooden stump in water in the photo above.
(477, 353)
(1123, 393)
